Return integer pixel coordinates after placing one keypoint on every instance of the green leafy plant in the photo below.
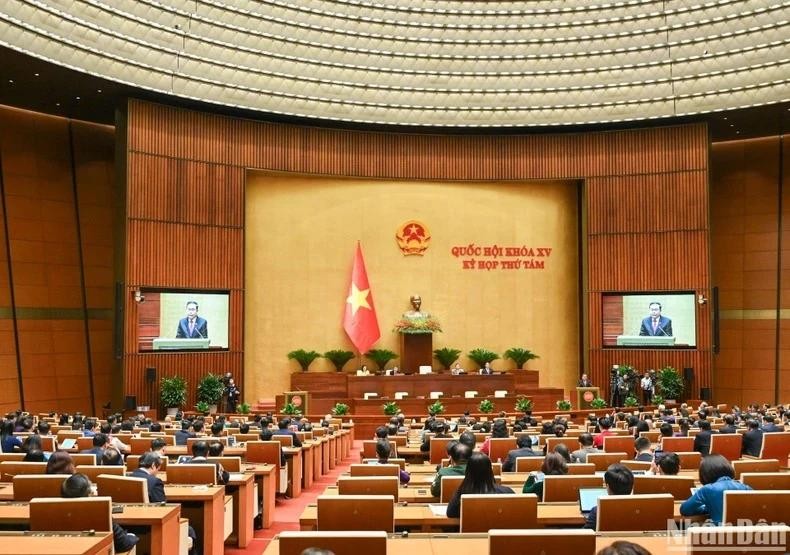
(210, 388)
(202, 407)
(481, 356)
(598, 403)
(244, 408)
(564, 404)
(520, 356)
(631, 401)
(340, 409)
(436, 408)
(486, 406)
(658, 399)
(446, 356)
(523, 404)
(339, 358)
(381, 357)
(304, 358)
(391, 408)
(173, 391)
(290, 408)
(670, 382)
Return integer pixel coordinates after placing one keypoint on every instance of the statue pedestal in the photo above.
(416, 349)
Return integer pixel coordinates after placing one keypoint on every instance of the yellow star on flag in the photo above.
(358, 298)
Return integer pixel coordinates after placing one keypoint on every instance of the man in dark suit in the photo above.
(524, 444)
(200, 456)
(193, 326)
(702, 439)
(769, 426)
(147, 468)
(585, 381)
(283, 430)
(655, 324)
(729, 425)
(183, 434)
(752, 439)
(100, 443)
(486, 370)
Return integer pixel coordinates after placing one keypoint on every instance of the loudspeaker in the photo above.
(704, 394)
(150, 374)
(688, 374)
(130, 402)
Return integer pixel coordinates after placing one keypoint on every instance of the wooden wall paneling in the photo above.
(182, 255)
(623, 172)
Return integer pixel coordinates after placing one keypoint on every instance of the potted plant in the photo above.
(244, 408)
(340, 409)
(486, 406)
(481, 356)
(564, 404)
(202, 407)
(446, 356)
(523, 404)
(381, 357)
(631, 401)
(304, 358)
(598, 403)
(658, 399)
(210, 389)
(391, 408)
(173, 392)
(339, 358)
(436, 408)
(520, 356)
(671, 383)
(291, 409)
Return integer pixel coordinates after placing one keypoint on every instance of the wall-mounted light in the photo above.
(138, 296)
(702, 299)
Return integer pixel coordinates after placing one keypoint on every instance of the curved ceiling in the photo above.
(437, 63)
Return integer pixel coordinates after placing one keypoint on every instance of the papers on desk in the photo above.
(235, 476)
(438, 510)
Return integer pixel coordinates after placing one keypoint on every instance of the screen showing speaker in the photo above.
(649, 320)
(179, 320)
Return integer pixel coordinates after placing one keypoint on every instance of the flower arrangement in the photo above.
(436, 408)
(598, 403)
(340, 409)
(391, 408)
(523, 404)
(420, 324)
(564, 404)
(631, 401)
(486, 406)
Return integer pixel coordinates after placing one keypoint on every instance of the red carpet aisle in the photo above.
(287, 511)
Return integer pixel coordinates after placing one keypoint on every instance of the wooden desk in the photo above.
(308, 453)
(174, 451)
(293, 458)
(421, 518)
(62, 543)
(474, 544)
(161, 520)
(243, 492)
(204, 506)
(266, 480)
(318, 457)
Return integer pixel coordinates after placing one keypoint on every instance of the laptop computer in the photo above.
(68, 443)
(183, 459)
(588, 498)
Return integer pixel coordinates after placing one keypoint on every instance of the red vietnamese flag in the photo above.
(360, 320)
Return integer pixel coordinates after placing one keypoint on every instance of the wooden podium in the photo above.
(299, 398)
(416, 349)
(585, 395)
